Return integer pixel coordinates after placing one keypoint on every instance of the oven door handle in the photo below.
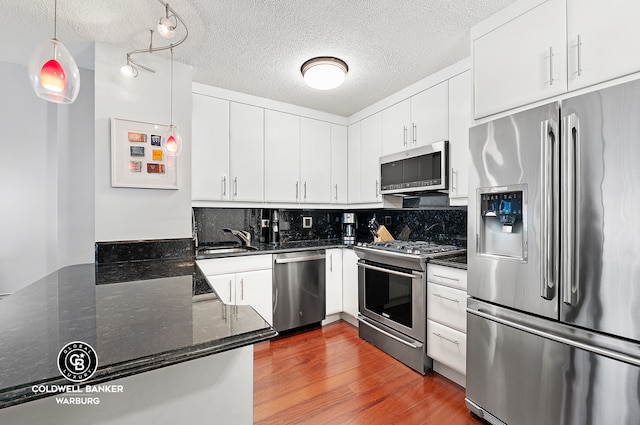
(382, 269)
(362, 320)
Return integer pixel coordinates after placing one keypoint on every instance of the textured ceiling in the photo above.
(258, 46)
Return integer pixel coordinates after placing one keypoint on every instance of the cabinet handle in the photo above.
(579, 55)
(229, 291)
(331, 262)
(242, 289)
(446, 339)
(446, 277)
(305, 191)
(415, 133)
(224, 186)
(297, 197)
(377, 191)
(336, 192)
(550, 65)
(235, 186)
(455, 300)
(404, 136)
(454, 182)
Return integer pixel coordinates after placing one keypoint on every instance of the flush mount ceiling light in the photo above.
(324, 72)
(53, 73)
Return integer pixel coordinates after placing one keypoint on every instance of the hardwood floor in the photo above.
(330, 376)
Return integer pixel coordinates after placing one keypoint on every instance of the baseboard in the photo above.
(450, 374)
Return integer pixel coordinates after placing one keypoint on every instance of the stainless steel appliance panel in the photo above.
(526, 370)
(508, 153)
(299, 297)
(601, 247)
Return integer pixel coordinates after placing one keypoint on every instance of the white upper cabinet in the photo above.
(282, 157)
(430, 116)
(602, 40)
(420, 120)
(459, 123)
(521, 60)
(315, 161)
(338, 164)
(353, 169)
(210, 149)
(396, 127)
(246, 152)
(370, 151)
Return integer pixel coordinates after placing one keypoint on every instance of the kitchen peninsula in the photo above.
(161, 336)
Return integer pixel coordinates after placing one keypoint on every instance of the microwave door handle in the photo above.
(393, 272)
(550, 202)
(571, 217)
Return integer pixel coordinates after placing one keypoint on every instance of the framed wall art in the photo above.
(137, 159)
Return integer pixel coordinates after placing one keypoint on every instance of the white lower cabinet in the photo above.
(447, 320)
(350, 283)
(242, 281)
(333, 286)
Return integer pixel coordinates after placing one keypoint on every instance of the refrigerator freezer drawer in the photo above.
(447, 306)
(447, 346)
(523, 378)
(449, 276)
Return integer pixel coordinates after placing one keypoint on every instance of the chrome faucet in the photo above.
(244, 236)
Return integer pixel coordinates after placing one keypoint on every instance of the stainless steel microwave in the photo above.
(422, 169)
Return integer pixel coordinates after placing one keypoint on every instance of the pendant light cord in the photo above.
(55, 19)
(171, 88)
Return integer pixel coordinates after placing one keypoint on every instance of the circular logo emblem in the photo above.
(77, 361)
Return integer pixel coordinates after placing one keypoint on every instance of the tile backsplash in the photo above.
(447, 225)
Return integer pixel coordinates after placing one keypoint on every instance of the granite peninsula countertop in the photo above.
(138, 316)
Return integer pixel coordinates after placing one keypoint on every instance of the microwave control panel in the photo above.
(506, 206)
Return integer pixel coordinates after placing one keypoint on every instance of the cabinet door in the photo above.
(315, 161)
(246, 152)
(281, 157)
(608, 40)
(370, 149)
(396, 123)
(350, 282)
(430, 115)
(334, 281)
(224, 286)
(338, 164)
(512, 63)
(353, 167)
(459, 123)
(255, 289)
(210, 149)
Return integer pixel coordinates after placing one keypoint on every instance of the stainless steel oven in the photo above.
(392, 298)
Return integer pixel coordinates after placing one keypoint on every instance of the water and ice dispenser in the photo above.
(502, 227)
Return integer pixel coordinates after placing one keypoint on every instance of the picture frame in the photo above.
(137, 158)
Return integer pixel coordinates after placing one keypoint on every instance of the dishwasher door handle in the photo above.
(300, 259)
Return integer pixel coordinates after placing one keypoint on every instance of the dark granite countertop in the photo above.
(138, 316)
(458, 261)
(263, 248)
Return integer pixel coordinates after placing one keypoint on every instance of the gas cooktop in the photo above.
(419, 248)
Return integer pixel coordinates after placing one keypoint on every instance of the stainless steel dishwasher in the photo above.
(298, 289)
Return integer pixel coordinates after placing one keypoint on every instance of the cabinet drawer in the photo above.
(447, 306)
(447, 346)
(456, 278)
(244, 263)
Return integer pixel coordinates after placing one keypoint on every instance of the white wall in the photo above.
(132, 214)
(46, 180)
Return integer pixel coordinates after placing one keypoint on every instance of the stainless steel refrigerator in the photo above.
(553, 322)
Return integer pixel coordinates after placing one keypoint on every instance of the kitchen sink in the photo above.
(225, 250)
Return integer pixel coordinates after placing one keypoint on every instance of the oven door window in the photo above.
(389, 295)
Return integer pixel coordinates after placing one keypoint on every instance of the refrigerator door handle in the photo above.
(550, 218)
(570, 215)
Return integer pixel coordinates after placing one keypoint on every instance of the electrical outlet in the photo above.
(387, 220)
(307, 222)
